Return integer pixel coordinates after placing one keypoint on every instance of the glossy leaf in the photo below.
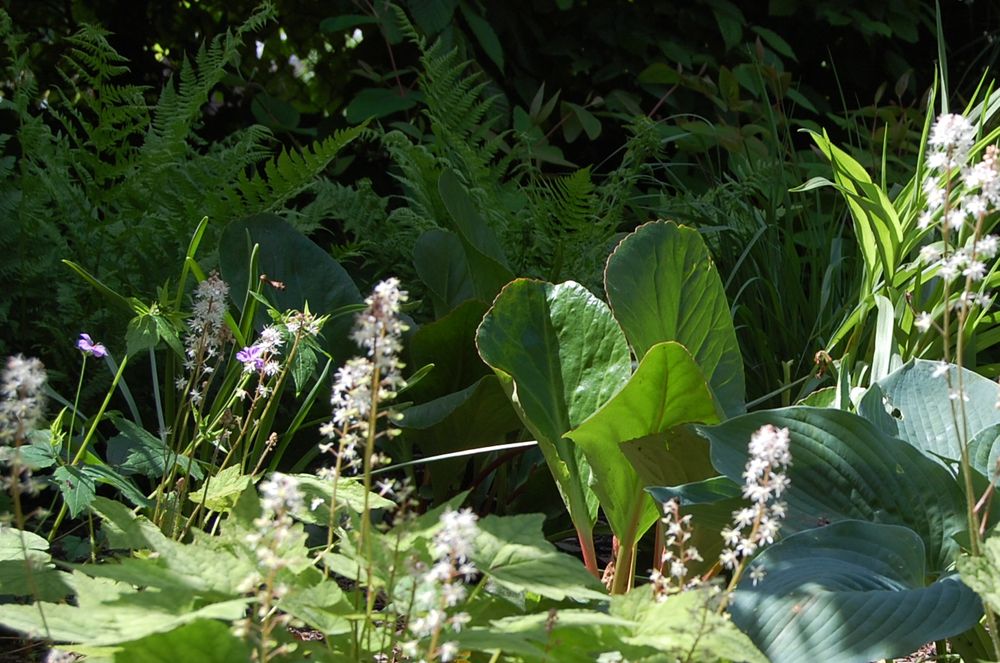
(663, 286)
(561, 356)
(440, 260)
(843, 468)
(666, 390)
(307, 271)
(852, 591)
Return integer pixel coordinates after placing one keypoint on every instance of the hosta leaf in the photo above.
(913, 405)
(843, 467)
(666, 390)
(849, 592)
(561, 356)
(663, 286)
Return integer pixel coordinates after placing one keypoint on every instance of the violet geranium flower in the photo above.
(87, 345)
(251, 358)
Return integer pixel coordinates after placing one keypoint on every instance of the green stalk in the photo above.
(86, 440)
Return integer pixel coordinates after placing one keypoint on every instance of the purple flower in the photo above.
(251, 358)
(87, 345)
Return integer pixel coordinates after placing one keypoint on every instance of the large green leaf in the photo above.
(484, 256)
(206, 641)
(663, 286)
(914, 405)
(685, 627)
(849, 592)
(512, 551)
(308, 272)
(450, 344)
(442, 264)
(561, 356)
(111, 613)
(666, 390)
(20, 549)
(844, 468)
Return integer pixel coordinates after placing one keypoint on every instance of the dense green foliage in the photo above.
(589, 259)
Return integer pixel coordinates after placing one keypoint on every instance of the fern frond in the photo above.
(285, 177)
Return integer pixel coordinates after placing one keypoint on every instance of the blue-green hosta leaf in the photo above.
(663, 286)
(984, 451)
(561, 355)
(913, 405)
(843, 468)
(850, 592)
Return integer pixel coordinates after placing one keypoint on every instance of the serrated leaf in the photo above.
(141, 334)
(112, 624)
(982, 573)
(220, 492)
(318, 492)
(18, 550)
(76, 487)
(513, 552)
(851, 591)
(138, 450)
(637, 628)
